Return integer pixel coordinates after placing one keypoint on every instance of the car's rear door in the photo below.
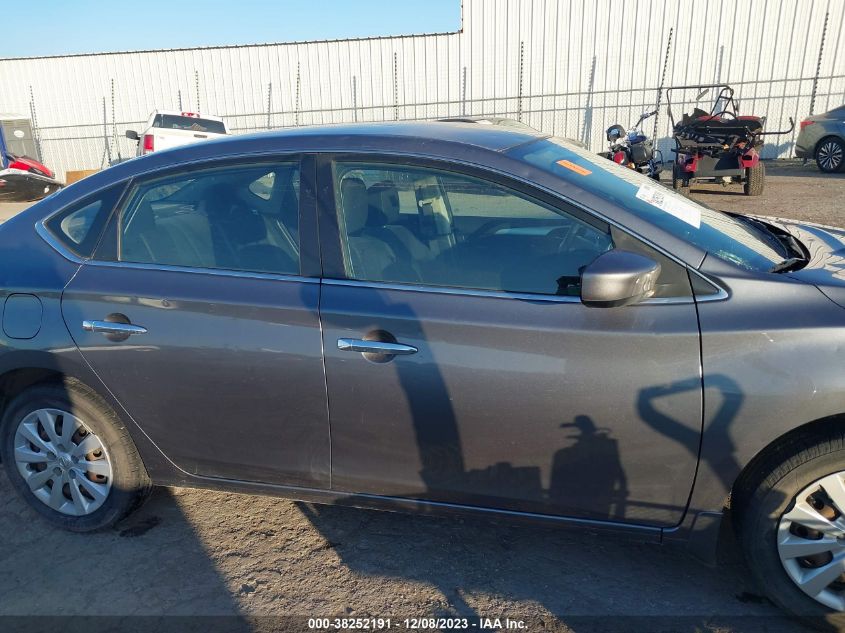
(199, 313)
(463, 368)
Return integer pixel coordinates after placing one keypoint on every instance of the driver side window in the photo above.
(433, 227)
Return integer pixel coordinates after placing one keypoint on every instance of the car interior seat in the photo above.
(385, 215)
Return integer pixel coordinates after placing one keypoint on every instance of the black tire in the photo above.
(796, 463)
(130, 485)
(679, 183)
(755, 180)
(830, 155)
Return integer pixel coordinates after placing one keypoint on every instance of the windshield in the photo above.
(192, 124)
(741, 241)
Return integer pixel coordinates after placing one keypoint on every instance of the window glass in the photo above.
(263, 187)
(235, 218)
(189, 123)
(424, 226)
(79, 227)
(740, 241)
(78, 224)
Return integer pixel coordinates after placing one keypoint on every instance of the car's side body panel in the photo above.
(513, 403)
(771, 356)
(228, 379)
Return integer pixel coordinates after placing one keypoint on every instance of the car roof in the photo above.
(495, 138)
(431, 138)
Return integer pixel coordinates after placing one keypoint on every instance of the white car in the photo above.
(166, 129)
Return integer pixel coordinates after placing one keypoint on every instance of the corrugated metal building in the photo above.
(569, 67)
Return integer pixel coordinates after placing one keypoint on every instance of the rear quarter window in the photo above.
(79, 226)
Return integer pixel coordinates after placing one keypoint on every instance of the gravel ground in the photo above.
(792, 190)
(190, 552)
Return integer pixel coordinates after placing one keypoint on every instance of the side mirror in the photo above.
(618, 278)
(132, 135)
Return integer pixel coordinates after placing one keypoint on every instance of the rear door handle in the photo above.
(110, 327)
(374, 347)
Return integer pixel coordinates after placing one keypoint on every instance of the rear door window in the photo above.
(240, 218)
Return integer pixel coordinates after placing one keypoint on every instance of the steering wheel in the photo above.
(572, 233)
(725, 112)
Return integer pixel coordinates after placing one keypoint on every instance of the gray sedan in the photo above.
(822, 138)
(439, 317)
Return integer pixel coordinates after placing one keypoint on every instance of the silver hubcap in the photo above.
(830, 155)
(64, 464)
(811, 541)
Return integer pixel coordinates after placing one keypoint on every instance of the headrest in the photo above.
(384, 203)
(143, 220)
(240, 224)
(353, 200)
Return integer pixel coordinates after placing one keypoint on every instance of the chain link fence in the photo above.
(580, 115)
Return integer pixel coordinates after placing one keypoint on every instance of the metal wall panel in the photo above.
(568, 67)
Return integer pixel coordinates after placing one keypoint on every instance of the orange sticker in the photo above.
(576, 168)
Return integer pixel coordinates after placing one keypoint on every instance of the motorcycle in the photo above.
(634, 149)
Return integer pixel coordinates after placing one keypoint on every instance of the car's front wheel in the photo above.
(792, 526)
(70, 457)
(679, 183)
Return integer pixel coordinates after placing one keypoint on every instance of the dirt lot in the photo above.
(9, 209)
(792, 190)
(203, 553)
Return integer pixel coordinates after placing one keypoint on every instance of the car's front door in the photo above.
(463, 368)
(224, 371)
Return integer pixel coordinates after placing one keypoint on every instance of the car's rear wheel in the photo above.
(70, 457)
(792, 526)
(830, 155)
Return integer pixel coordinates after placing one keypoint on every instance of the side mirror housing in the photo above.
(618, 278)
(132, 135)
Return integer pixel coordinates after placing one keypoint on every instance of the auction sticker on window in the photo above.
(581, 171)
(671, 203)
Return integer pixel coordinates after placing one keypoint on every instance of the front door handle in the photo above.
(374, 347)
(111, 327)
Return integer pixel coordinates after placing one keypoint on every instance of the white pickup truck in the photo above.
(166, 129)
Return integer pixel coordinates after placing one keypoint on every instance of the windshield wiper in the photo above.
(786, 240)
(793, 263)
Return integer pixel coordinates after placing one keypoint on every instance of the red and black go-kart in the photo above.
(720, 145)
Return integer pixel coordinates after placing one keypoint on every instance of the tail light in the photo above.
(804, 124)
(149, 143)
